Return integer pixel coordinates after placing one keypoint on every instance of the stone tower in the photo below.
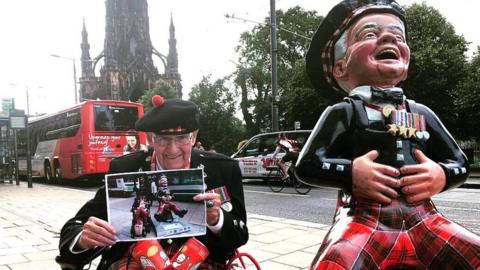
(128, 69)
(88, 81)
(128, 66)
(171, 73)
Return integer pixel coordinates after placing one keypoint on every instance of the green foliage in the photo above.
(299, 102)
(437, 62)
(469, 99)
(162, 88)
(219, 128)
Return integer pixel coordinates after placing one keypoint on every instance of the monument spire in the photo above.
(172, 74)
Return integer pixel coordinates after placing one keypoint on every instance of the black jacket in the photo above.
(326, 159)
(220, 171)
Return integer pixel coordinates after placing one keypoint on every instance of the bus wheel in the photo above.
(58, 173)
(48, 173)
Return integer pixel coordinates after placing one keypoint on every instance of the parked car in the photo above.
(254, 156)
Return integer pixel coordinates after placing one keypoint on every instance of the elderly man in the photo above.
(174, 124)
(388, 155)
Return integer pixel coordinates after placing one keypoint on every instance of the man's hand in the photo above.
(372, 180)
(212, 212)
(96, 233)
(422, 180)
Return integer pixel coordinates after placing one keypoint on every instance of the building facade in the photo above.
(128, 68)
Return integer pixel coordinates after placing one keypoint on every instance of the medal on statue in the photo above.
(387, 110)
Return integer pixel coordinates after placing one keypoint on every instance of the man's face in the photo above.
(377, 53)
(174, 151)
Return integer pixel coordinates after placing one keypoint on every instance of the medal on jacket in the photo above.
(224, 198)
(406, 125)
(387, 110)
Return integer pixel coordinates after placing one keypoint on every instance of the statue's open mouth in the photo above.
(387, 54)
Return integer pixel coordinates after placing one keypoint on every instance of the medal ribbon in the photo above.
(408, 120)
(223, 192)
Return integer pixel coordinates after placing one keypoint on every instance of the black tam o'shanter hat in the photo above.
(320, 55)
(170, 117)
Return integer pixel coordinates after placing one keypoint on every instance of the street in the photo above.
(460, 205)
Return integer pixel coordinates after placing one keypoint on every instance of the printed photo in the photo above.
(156, 205)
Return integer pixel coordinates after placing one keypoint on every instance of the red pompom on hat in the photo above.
(157, 100)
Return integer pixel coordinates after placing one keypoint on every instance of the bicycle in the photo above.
(276, 179)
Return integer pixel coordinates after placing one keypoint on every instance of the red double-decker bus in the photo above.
(79, 142)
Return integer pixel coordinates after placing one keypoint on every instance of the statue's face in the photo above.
(377, 53)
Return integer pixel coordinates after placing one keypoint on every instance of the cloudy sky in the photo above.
(32, 30)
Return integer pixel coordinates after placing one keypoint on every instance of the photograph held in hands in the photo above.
(156, 205)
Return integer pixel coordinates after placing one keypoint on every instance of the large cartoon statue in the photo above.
(165, 204)
(388, 155)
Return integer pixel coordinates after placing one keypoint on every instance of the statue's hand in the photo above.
(422, 180)
(372, 180)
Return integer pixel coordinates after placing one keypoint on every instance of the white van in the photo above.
(254, 155)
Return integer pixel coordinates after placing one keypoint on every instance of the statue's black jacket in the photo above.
(343, 133)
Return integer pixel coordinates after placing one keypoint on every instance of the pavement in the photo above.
(31, 219)
(473, 180)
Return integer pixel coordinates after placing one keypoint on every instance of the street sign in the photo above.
(17, 122)
(7, 104)
(297, 125)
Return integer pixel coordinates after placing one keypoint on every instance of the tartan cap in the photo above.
(170, 117)
(320, 55)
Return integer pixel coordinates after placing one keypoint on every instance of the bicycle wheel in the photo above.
(275, 182)
(299, 186)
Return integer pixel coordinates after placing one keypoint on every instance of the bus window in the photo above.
(114, 118)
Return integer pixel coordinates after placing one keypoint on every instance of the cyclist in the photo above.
(291, 149)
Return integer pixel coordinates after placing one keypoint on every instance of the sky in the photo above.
(206, 40)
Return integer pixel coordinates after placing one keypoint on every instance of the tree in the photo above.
(162, 88)
(219, 128)
(468, 100)
(437, 62)
(299, 101)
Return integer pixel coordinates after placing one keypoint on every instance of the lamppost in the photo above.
(273, 51)
(27, 135)
(74, 73)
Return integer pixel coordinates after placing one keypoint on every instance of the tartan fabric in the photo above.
(380, 245)
(364, 261)
(426, 242)
(449, 259)
(177, 130)
(396, 236)
(403, 251)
